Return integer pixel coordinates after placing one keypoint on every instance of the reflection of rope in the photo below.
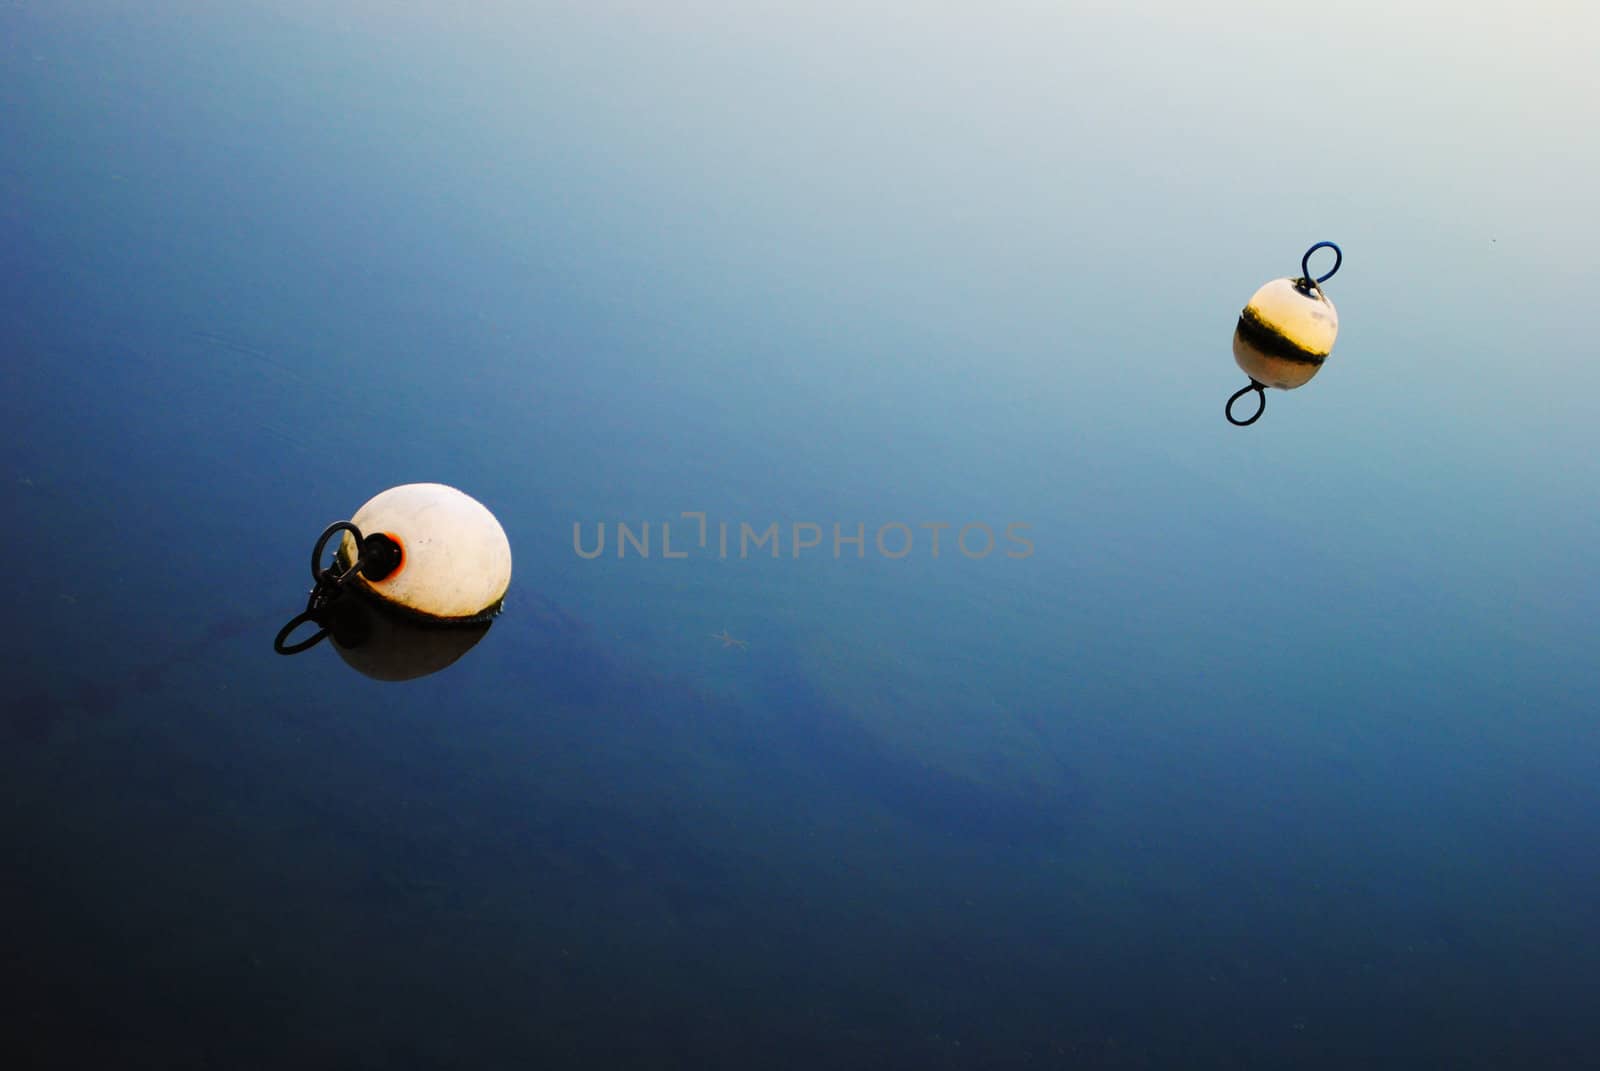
(1260, 408)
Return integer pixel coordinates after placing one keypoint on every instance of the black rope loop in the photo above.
(328, 576)
(1260, 408)
(1305, 263)
(327, 586)
(281, 645)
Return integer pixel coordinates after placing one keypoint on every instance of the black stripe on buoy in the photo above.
(1273, 342)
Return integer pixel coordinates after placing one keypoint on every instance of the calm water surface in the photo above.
(1278, 750)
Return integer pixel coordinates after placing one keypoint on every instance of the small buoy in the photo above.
(452, 562)
(423, 549)
(1285, 333)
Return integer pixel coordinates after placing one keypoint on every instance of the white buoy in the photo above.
(1285, 333)
(454, 559)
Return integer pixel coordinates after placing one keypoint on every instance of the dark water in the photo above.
(1278, 750)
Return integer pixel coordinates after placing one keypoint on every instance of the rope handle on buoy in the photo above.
(376, 557)
(311, 614)
(1260, 408)
(1309, 282)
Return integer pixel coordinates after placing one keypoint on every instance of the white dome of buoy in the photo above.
(454, 558)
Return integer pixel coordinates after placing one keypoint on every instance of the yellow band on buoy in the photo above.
(455, 560)
(1285, 333)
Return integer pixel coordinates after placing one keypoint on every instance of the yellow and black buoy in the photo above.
(1285, 333)
(424, 551)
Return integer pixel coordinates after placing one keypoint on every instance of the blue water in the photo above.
(1279, 749)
